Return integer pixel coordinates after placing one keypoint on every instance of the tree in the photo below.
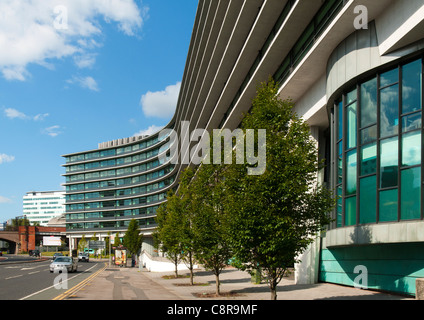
(168, 232)
(188, 207)
(107, 243)
(18, 222)
(82, 244)
(210, 220)
(132, 238)
(275, 216)
(117, 241)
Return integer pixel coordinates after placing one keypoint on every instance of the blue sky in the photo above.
(74, 73)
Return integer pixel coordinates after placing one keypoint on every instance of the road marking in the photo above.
(71, 292)
(35, 293)
(34, 272)
(13, 277)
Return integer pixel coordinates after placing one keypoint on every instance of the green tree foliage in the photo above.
(210, 226)
(117, 242)
(132, 238)
(168, 236)
(274, 217)
(82, 244)
(188, 207)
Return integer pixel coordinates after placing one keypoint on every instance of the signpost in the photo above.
(94, 244)
(111, 238)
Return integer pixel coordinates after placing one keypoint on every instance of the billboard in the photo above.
(52, 241)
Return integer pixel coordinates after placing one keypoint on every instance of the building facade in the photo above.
(39, 207)
(354, 70)
(108, 187)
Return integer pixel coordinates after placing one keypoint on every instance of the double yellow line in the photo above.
(80, 285)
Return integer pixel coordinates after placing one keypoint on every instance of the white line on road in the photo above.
(35, 293)
(14, 277)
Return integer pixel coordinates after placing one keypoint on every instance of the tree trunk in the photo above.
(191, 269)
(273, 288)
(176, 269)
(218, 292)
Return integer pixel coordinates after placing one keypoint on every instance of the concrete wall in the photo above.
(159, 264)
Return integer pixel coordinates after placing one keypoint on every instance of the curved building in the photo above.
(354, 71)
(108, 187)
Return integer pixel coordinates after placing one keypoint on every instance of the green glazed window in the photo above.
(368, 200)
(411, 194)
(412, 87)
(350, 211)
(388, 205)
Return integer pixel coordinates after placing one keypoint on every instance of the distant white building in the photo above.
(42, 206)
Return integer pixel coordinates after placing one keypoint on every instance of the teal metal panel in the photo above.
(391, 267)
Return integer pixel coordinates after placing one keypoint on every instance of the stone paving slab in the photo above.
(135, 284)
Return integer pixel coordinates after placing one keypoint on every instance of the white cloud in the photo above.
(37, 32)
(6, 158)
(149, 131)
(53, 131)
(13, 114)
(85, 82)
(4, 200)
(85, 60)
(41, 117)
(16, 114)
(161, 104)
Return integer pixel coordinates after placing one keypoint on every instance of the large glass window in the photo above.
(368, 200)
(411, 194)
(351, 170)
(369, 159)
(389, 116)
(378, 148)
(389, 163)
(411, 148)
(388, 205)
(350, 209)
(412, 87)
(369, 103)
(351, 126)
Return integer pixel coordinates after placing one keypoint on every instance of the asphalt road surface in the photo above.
(33, 280)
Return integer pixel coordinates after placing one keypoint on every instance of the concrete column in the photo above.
(307, 271)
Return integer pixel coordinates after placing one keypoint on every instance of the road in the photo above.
(33, 281)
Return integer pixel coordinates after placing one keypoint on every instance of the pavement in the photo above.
(127, 283)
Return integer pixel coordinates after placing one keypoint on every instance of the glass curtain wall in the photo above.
(378, 136)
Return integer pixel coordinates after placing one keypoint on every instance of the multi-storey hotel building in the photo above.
(354, 70)
(108, 187)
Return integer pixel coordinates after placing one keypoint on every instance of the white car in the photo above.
(67, 264)
(84, 257)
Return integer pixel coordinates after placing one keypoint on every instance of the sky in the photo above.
(75, 73)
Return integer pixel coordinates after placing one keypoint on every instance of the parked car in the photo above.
(84, 257)
(61, 264)
(57, 254)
